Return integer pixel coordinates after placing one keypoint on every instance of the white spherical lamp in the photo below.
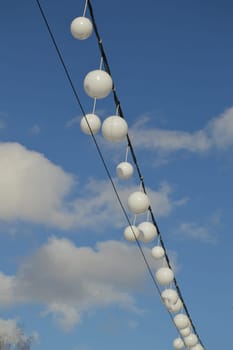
(138, 202)
(131, 233)
(164, 276)
(97, 84)
(169, 296)
(81, 28)
(124, 170)
(148, 232)
(176, 307)
(181, 321)
(191, 340)
(185, 331)
(90, 121)
(178, 344)
(158, 252)
(114, 128)
(197, 347)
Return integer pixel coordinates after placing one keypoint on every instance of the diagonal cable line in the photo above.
(94, 138)
(118, 105)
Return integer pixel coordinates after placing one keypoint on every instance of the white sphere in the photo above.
(191, 340)
(81, 28)
(90, 121)
(98, 84)
(131, 233)
(176, 307)
(181, 321)
(148, 231)
(114, 128)
(169, 296)
(178, 344)
(124, 170)
(185, 331)
(138, 202)
(197, 347)
(164, 276)
(158, 252)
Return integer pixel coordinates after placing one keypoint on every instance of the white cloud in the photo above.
(12, 335)
(36, 190)
(218, 133)
(71, 280)
(32, 188)
(102, 206)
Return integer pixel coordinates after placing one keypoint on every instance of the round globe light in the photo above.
(181, 321)
(178, 344)
(138, 202)
(176, 307)
(197, 347)
(91, 121)
(191, 340)
(169, 297)
(158, 252)
(185, 331)
(81, 28)
(114, 128)
(98, 84)
(131, 233)
(148, 231)
(164, 276)
(124, 170)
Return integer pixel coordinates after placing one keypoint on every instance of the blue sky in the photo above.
(67, 275)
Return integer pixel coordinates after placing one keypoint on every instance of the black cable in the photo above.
(94, 139)
(118, 105)
(117, 102)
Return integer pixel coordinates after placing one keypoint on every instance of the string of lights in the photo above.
(98, 84)
(121, 114)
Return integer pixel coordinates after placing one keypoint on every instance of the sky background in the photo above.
(67, 276)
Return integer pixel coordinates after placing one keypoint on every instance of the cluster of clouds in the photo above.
(13, 336)
(68, 280)
(33, 189)
(217, 134)
(36, 190)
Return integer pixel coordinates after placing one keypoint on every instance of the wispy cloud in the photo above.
(13, 336)
(218, 133)
(76, 120)
(73, 121)
(33, 189)
(132, 324)
(2, 124)
(72, 280)
(35, 129)
(192, 230)
(100, 203)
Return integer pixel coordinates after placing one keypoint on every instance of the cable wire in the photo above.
(94, 139)
(130, 146)
(120, 111)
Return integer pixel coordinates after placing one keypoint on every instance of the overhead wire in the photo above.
(130, 145)
(120, 112)
(93, 136)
